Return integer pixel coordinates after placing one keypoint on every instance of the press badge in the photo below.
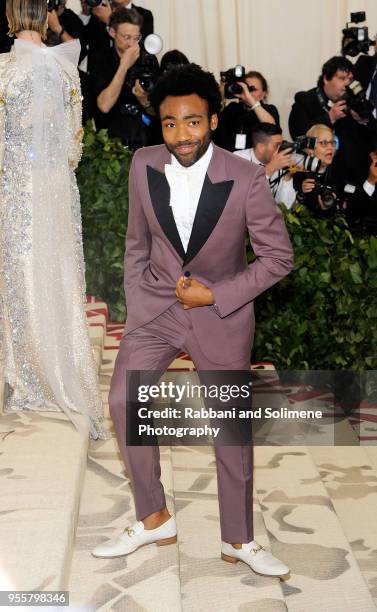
(240, 141)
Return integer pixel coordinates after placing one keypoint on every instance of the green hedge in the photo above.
(102, 178)
(322, 316)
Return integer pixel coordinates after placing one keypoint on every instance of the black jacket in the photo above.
(352, 161)
(236, 119)
(364, 69)
(148, 25)
(5, 41)
(362, 214)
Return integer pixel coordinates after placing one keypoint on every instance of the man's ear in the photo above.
(112, 32)
(214, 121)
(373, 156)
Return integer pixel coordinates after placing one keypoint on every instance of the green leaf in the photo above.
(355, 272)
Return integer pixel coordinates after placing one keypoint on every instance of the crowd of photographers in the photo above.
(330, 165)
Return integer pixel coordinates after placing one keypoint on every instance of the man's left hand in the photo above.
(246, 96)
(192, 293)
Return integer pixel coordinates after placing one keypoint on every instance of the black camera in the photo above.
(329, 197)
(94, 3)
(231, 78)
(302, 160)
(146, 70)
(299, 144)
(52, 5)
(357, 101)
(356, 39)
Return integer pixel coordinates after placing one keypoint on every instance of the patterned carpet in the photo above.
(314, 506)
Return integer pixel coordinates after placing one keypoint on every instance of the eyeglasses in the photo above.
(326, 143)
(129, 38)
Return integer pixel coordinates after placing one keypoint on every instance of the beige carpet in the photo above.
(299, 512)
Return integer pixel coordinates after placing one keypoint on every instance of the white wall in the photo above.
(286, 40)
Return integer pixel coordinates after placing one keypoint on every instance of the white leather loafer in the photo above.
(253, 554)
(134, 537)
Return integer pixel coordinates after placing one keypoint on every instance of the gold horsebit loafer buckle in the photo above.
(130, 531)
(256, 549)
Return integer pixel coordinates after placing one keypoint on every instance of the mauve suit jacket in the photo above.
(235, 198)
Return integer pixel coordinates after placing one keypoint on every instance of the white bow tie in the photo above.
(178, 172)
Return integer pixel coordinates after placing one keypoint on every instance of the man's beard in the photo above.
(198, 152)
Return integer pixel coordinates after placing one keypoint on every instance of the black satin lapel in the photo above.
(159, 191)
(211, 204)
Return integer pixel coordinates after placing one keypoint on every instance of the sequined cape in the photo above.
(45, 346)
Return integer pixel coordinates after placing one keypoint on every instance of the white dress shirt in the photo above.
(283, 191)
(369, 188)
(186, 185)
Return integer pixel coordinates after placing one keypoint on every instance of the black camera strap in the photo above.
(323, 101)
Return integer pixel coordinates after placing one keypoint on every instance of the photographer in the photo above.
(239, 119)
(63, 24)
(365, 71)
(327, 104)
(317, 190)
(362, 215)
(97, 19)
(123, 105)
(267, 139)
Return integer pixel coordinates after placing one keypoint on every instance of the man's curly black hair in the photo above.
(184, 81)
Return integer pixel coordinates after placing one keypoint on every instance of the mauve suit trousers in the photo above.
(153, 347)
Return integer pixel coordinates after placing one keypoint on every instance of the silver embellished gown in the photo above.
(46, 352)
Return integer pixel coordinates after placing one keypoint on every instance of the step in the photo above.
(305, 532)
(42, 461)
(42, 464)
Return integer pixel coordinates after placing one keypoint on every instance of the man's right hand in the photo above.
(279, 160)
(337, 111)
(308, 185)
(103, 12)
(129, 57)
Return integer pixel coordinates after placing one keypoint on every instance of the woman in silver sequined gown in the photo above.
(46, 352)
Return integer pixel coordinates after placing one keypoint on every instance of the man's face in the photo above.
(186, 128)
(335, 88)
(265, 151)
(125, 36)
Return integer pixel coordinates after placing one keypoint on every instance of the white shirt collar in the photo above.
(129, 6)
(201, 165)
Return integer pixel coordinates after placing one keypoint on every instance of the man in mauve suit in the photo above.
(190, 205)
